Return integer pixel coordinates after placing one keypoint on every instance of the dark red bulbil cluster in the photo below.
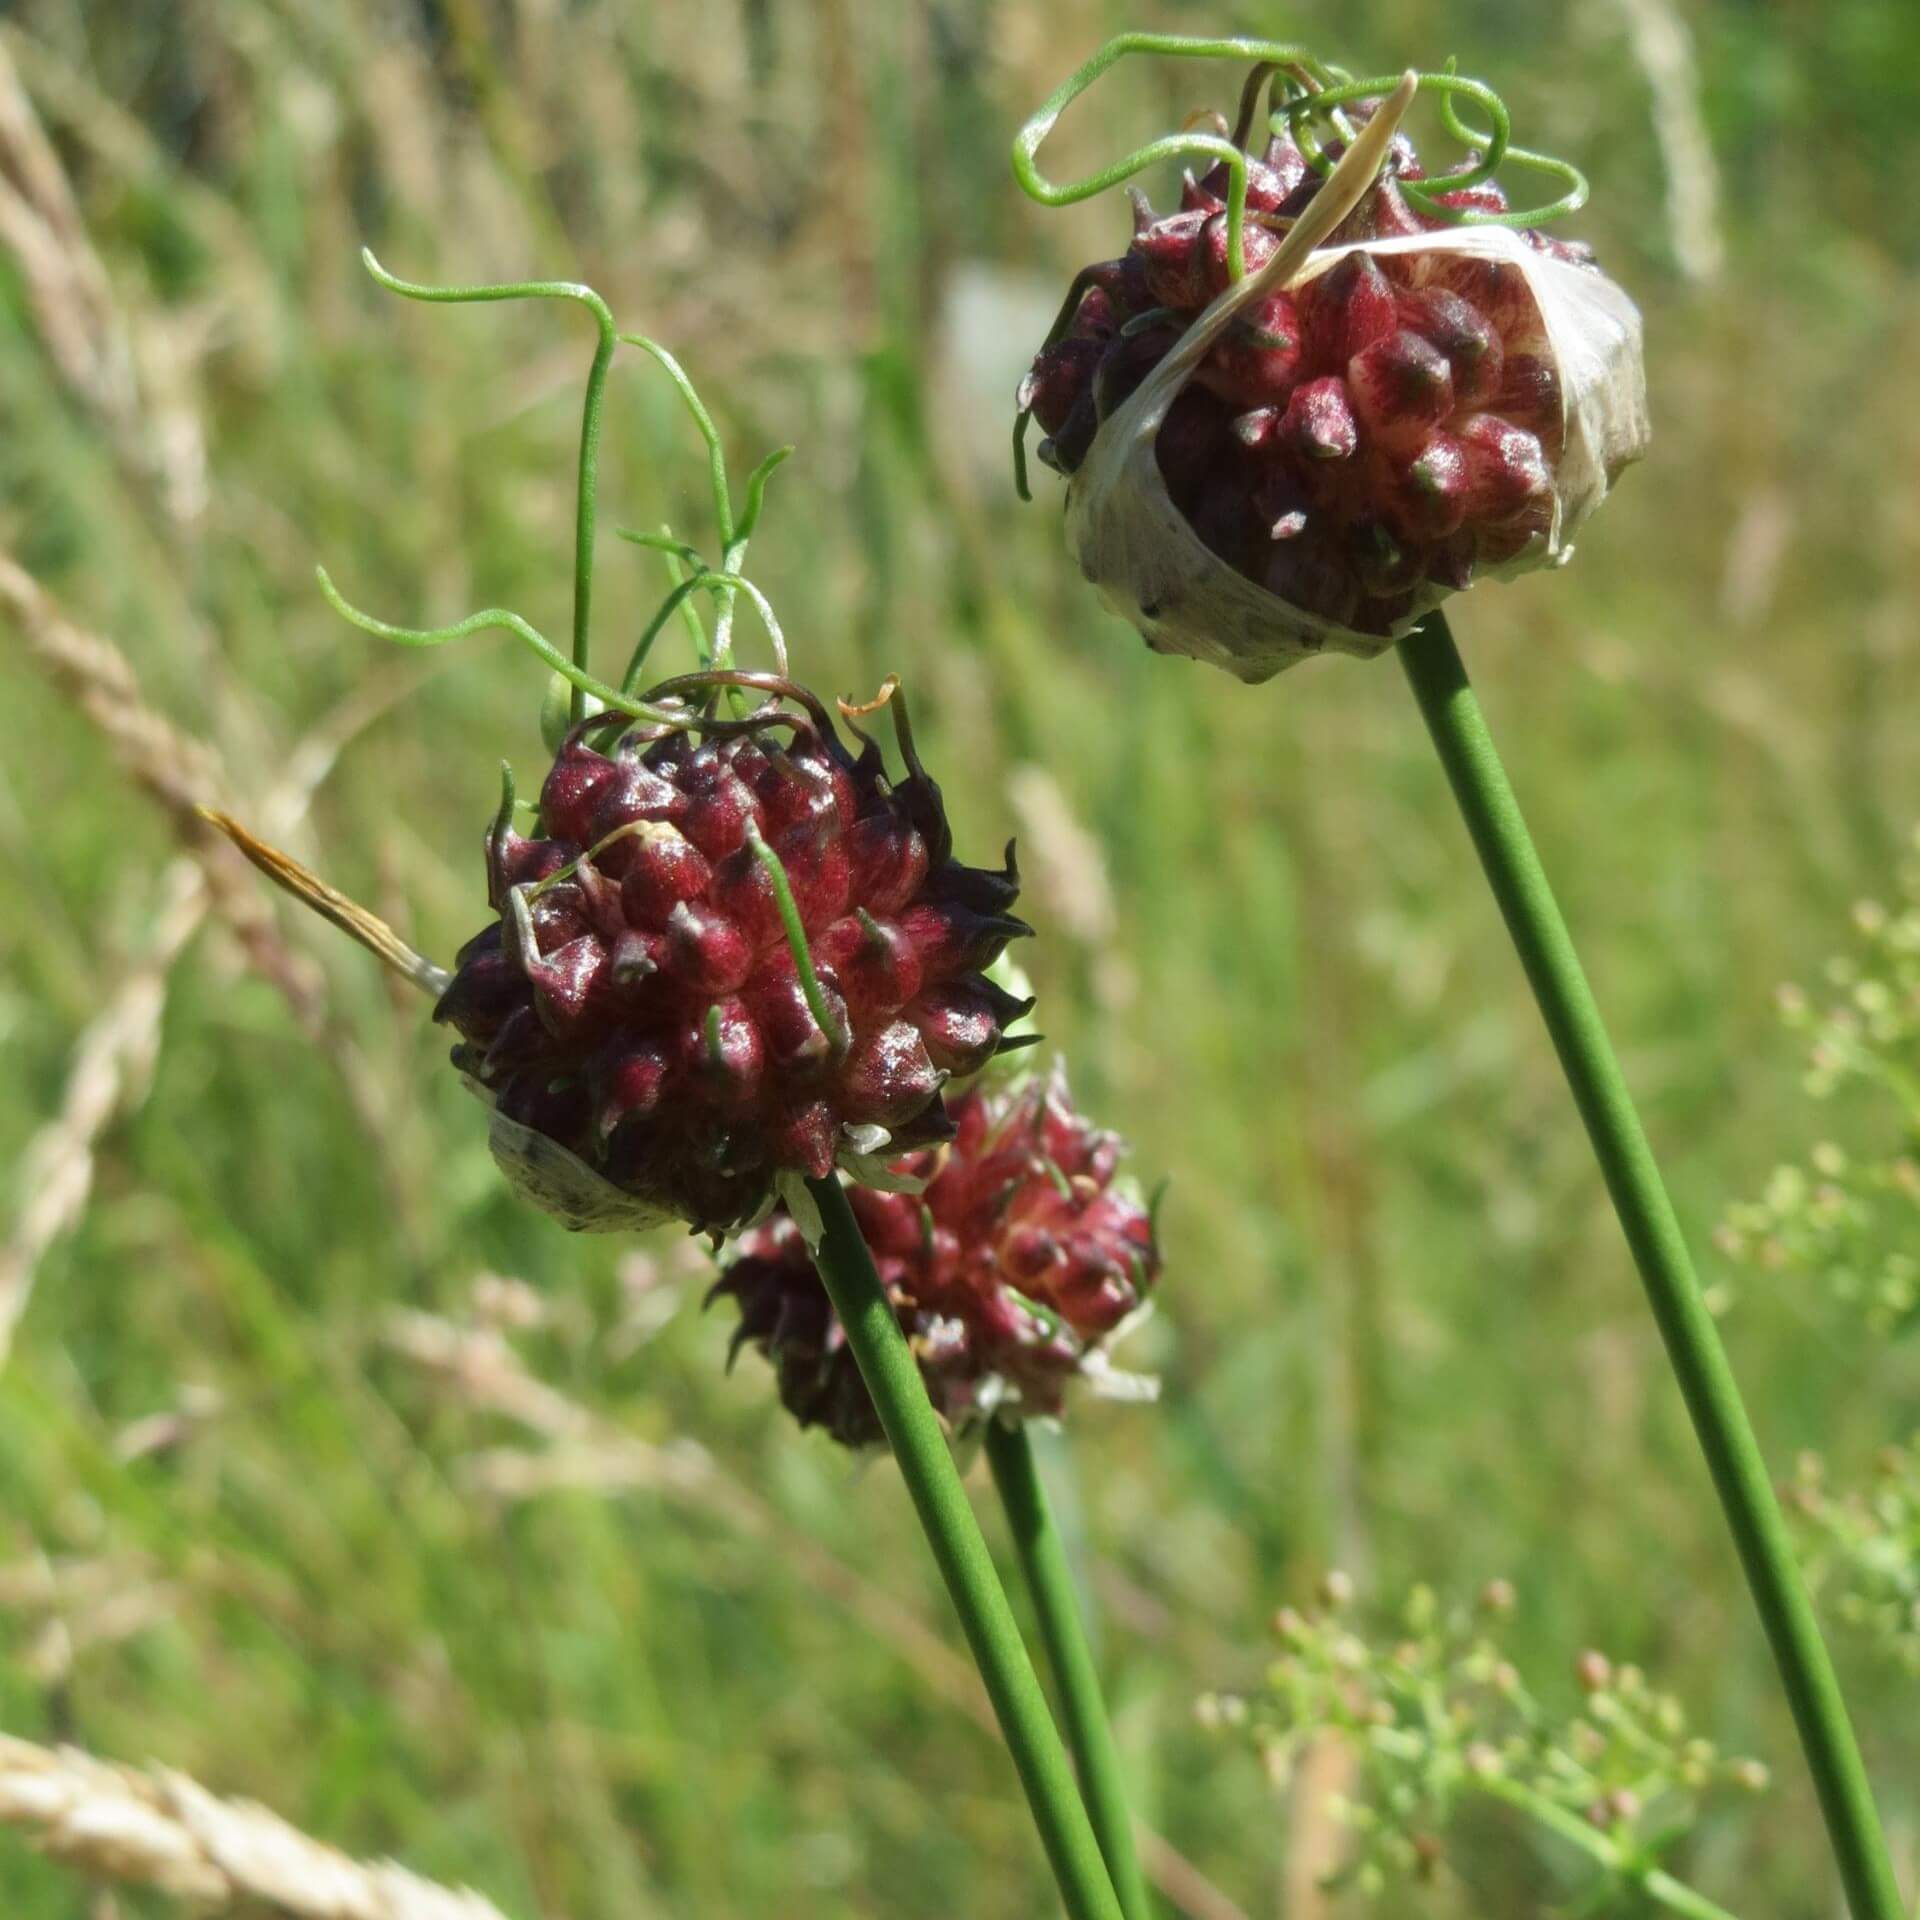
(1395, 420)
(638, 1000)
(1020, 1255)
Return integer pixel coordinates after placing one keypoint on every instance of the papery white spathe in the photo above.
(1142, 555)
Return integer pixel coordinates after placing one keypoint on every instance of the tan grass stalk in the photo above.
(156, 1828)
(1663, 50)
(111, 1065)
(178, 771)
(134, 379)
(66, 287)
(115, 1054)
(115, 138)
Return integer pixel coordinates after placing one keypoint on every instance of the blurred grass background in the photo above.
(628, 1651)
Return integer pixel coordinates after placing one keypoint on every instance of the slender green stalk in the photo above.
(1043, 1560)
(1739, 1470)
(893, 1379)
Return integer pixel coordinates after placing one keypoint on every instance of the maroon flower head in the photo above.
(1016, 1260)
(732, 951)
(1357, 442)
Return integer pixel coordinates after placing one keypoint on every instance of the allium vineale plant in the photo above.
(726, 963)
(1394, 420)
(1282, 434)
(733, 963)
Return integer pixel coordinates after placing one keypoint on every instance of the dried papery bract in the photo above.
(1142, 553)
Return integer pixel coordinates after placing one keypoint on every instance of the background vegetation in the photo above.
(504, 1575)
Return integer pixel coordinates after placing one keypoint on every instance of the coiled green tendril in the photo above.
(1302, 91)
(589, 421)
(584, 684)
(1493, 149)
(735, 530)
(690, 573)
(1271, 56)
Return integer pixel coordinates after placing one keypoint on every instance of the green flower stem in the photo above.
(893, 1379)
(1043, 1560)
(1480, 786)
(1660, 1887)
